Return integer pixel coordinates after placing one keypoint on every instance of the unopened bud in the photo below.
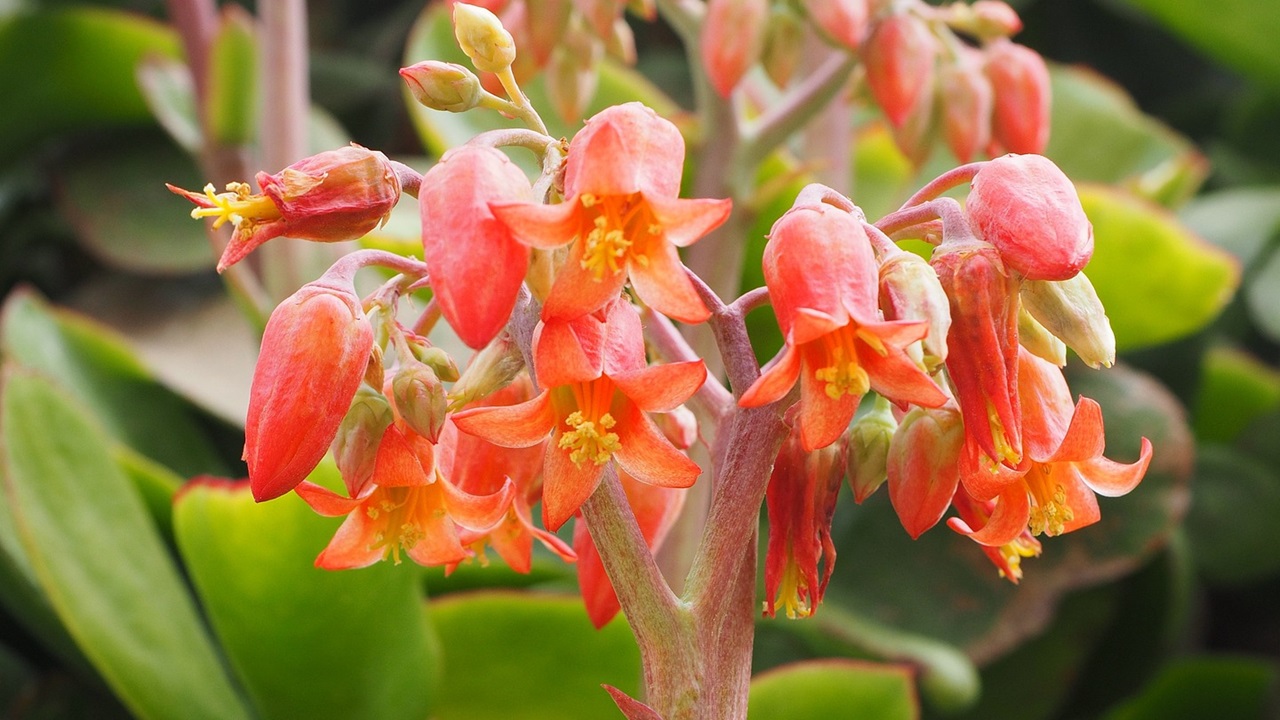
(355, 447)
(967, 101)
(844, 21)
(492, 369)
(373, 372)
(679, 426)
(571, 75)
(733, 36)
(621, 45)
(443, 86)
(900, 57)
(783, 45)
(1038, 341)
(910, 290)
(867, 449)
(923, 466)
(421, 400)
(1020, 79)
(438, 360)
(1071, 310)
(984, 19)
(481, 36)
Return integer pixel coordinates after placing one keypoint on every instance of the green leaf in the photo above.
(942, 585)
(230, 113)
(99, 559)
(166, 87)
(1207, 687)
(115, 198)
(431, 38)
(1238, 33)
(1235, 389)
(304, 642)
(89, 80)
(832, 689)
(509, 655)
(1157, 281)
(155, 483)
(1242, 221)
(98, 369)
(1262, 297)
(1231, 526)
(1099, 135)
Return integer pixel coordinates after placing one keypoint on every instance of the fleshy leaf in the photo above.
(304, 642)
(1235, 388)
(834, 688)
(98, 369)
(166, 86)
(541, 658)
(1241, 221)
(1157, 281)
(100, 560)
(230, 113)
(1235, 491)
(1240, 33)
(1199, 687)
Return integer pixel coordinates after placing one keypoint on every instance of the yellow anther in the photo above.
(1052, 515)
(236, 205)
(590, 440)
(655, 229)
(605, 249)
(588, 200)
(789, 592)
(844, 376)
(1004, 449)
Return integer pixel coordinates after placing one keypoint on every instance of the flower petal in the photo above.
(984, 479)
(661, 388)
(577, 290)
(776, 380)
(565, 484)
(684, 221)
(476, 512)
(538, 225)
(1112, 479)
(823, 419)
(569, 351)
(661, 282)
(325, 501)
(352, 546)
(625, 149)
(1083, 439)
(645, 454)
(1008, 519)
(519, 425)
(402, 460)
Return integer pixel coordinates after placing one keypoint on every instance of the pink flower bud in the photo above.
(1021, 83)
(923, 466)
(900, 57)
(984, 19)
(967, 102)
(314, 353)
(443, 86)
(679, 426)
(844, 21)
(732, 40)
(1029, 210)
(571, 75)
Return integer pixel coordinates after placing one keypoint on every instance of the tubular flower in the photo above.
(656, 510)
(479, 467)
(409, 507)
(330, 197)
(822, 280)
(923, 466)
(315, 350)
(597, 393)
(982, 346)
(1053, 492)
(1007, 557)
(476, 265)
(801, 499)
(623, 216)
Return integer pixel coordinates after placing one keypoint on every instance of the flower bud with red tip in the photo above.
(1021, 83)
(923, 466)
(867, 443)
(1029, 210)
(733, 38)
(844, 21)
(967, 103)
(900, 57)
(443, 86)
(420, 399)
(314, 353)
(355, 447)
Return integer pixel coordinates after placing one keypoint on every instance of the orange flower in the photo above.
(822, 281)
(333, 196)
(1053, 491)
(410, 506)
(598, 390)
(622, 181)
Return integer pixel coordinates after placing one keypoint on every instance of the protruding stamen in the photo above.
(590, 440)
(793, 595)
(236, 205)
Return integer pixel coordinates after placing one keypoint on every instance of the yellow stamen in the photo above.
(1050, 512)
(605, 249)
(844, 375)
(1005, 450)
(237, 205)
(789, 593)
(589, 441)
(615, 228)
(1013, 552)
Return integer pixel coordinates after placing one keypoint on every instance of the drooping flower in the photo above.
(330, 197)
(923, 466)
(409, 507)
(1007, 557)
(801, 500)
(656, 510)
(1054, 491)
(597, 390)
(315, 350)
(476, 265)
(822, 281)
(623, 215)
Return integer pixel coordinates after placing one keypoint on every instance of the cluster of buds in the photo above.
(966, 415)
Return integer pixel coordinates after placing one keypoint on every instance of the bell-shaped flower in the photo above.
(409, 507)
(656, 510)
(982, 346)
(623, 216)
(1029, 210)
(597, 390)
(315, 350)
(330, 197)
(1053, 492)
(923, 466)
(1007, 557)
(479, 467)
(801, 500)
(476, 265)
(822, 281)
